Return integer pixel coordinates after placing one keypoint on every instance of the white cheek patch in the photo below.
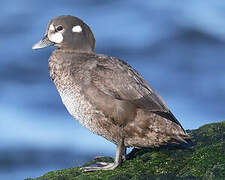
(51, 27)
(76, 29)
(56, 37)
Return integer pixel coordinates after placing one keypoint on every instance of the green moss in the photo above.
(215, 173)
(205, 160)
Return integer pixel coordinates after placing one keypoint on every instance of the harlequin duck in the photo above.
(105, 94)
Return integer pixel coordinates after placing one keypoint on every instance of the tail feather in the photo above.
(169, 116)
(183, 142)
(179, 139)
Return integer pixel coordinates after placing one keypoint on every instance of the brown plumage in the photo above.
(106, 95)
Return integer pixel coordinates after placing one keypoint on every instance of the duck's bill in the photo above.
(45, 42)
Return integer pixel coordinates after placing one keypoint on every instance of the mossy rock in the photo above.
(205, 160)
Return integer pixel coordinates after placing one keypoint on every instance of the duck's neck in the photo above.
(77, 51)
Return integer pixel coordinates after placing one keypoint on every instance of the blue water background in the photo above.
(178, 47)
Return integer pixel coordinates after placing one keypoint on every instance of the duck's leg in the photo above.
(109, 166)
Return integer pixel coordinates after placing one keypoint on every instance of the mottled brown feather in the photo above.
(118, 102)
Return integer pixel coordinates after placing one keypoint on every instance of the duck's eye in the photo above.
(59, 28)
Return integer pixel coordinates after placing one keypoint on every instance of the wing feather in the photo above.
(116, 78)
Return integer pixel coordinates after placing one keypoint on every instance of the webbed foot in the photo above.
(103, 166)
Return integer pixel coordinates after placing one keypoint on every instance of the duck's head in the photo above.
(68, 32)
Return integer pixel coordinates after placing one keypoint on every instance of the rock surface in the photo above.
(205, 160)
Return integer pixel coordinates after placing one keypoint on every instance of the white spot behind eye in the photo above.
(51, 27)
(76, 28)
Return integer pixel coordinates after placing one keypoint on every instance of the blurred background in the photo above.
(179, 48)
